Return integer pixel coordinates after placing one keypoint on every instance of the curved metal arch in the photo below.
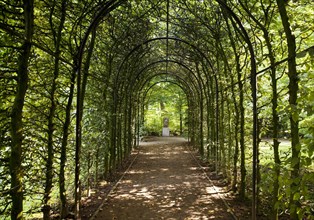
(191, 90)
(207, 74)
(104, 10)
(158, 39)
(163, 61)
(130, 90)
(101, 13)
(155, 63)
(199, 90)
(247, 40)
(189, 100)
(199, 82)
(186, 88)
(198, 87)
(163, 38)
(199, 101)
(200, 54)
(196, 76)
(180, 79)
(154, 84)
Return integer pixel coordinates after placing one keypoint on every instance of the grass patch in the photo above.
(267, 150)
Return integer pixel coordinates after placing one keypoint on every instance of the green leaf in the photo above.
(294, 161)
(296, 196)
(295, 116)
(311, 51)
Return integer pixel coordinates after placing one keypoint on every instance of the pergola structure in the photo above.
(195, 84)
(214, 50)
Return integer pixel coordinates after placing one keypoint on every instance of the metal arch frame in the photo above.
(199, 54)
(198, 85)
(184, 66)
(247, 40)
(179, 79)
(184, 89)
(202, 55)
(200, 93)
(145, 93)
(103, 11)
(128, 89)
(163, 38)
(136, 76)
(169, 73)
(202, 87)
(187, 90)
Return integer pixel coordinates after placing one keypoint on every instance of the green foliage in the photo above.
(165, 100)
(133, 85)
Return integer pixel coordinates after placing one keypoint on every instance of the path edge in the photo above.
(113, 188)
(229, 209)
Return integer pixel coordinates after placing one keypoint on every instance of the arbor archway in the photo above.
(113, 51)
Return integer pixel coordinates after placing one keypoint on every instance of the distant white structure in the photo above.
(165, 132)
(165, 129)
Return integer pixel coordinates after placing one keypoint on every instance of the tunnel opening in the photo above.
(165, 107)
(77, 76)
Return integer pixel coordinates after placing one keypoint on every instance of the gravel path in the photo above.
(164, 182)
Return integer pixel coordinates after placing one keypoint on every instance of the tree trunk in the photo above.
(81, 88)
(89, 176)
(113, 133)
(181, 121)
(217, 112)
(227, 70)
(222, 134)
(236, 150)
(294, 114)
(258, 168)
(119, 140)
(230, 139)
(275, 118)
(16, 169)
(275, 123)
(236, 108)
(201, 117)
(63, 156)
(242, 134)
(96, 166)
(52, 109)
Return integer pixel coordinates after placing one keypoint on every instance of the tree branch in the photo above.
(16, 34)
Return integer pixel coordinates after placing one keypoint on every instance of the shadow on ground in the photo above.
(164, 183)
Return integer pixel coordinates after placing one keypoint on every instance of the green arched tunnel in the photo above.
(78, 77)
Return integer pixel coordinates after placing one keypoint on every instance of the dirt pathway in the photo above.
(164, 183)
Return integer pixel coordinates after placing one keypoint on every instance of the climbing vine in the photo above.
(78, 80)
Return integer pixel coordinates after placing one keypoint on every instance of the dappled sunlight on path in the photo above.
(164, 183)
